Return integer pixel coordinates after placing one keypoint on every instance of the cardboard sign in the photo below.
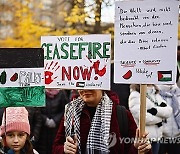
(146, 42)
(22, 77)
(77, 62)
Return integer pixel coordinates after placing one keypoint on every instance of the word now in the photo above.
(76, 72)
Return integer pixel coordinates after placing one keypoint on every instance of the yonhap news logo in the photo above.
(113, 139)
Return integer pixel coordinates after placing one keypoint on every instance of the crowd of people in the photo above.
(88, 126)
(87, 122)
(163, 108)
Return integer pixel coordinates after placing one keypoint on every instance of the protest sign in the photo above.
(145, 46)
(146, 42)
(22, 77)
(77, 62)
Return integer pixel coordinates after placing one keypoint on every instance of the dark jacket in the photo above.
(10, 151)
(35, 121)
(54, 110)
(122, 90)
(85, 123)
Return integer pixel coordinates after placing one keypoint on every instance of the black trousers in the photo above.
(170, 146)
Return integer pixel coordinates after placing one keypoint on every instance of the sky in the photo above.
(108, 14)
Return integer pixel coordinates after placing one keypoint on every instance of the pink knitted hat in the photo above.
(16, 120)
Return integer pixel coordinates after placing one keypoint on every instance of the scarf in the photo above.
(173, 94)
(98, 136)
(10, 151)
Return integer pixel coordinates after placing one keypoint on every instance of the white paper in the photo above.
(146, 42)
(77, 62)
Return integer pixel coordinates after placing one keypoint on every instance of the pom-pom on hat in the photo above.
(16, 120)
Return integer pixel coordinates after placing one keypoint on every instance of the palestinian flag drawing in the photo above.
(22, 77)
(164, 76)
(80, 84)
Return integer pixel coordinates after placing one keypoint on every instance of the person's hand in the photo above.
(70, 146)
(50, 123)
(47, 122)
(142, 144)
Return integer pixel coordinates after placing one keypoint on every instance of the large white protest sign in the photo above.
(146, 41)
(77, 62)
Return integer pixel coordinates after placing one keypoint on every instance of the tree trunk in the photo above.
(97, 27)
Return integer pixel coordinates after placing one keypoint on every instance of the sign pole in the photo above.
(142, 118)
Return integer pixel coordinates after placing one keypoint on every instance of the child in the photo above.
(15, 131)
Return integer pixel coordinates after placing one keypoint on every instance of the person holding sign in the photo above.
(157, 111)
(90, 125)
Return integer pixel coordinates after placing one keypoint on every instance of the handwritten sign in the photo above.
(146, 42)
(22, 77)
(77, 62)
